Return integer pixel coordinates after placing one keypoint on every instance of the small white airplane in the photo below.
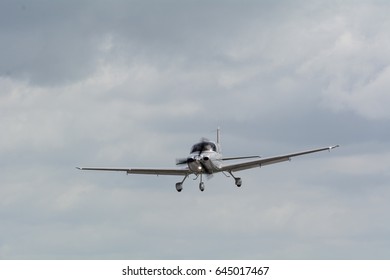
(206, 158)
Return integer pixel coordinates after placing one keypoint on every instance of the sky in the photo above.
(136, 83)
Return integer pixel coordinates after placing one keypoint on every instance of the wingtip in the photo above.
(79, 168)
(333, 147)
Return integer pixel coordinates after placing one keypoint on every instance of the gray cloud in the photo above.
(135, 83)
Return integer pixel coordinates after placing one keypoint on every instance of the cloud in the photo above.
(353, 64)
(136, 83)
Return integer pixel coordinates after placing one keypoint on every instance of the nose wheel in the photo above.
(201, 186)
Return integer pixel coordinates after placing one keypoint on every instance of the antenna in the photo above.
(218, 135)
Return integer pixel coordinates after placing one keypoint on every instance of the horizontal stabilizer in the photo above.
(235, 158)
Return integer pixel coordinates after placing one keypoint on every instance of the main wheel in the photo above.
(179, 187)
(238, 182)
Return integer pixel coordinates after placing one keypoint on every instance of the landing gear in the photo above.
(237, 180)
(179, 185)
(201, 186)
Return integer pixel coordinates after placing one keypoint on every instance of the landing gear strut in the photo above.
(237, 180)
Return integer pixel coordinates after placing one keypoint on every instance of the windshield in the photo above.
(204, 147)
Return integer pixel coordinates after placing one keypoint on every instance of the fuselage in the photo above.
(205, 158)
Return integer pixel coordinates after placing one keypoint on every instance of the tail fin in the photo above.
(219, 140)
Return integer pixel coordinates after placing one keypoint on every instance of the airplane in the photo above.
(205, 158)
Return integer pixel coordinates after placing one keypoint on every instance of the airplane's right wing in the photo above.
(145, 171)
(270, 160)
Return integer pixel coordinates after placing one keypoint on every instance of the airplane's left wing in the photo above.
(270, 160)
(145, 171)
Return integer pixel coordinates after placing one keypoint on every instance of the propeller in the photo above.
(180, 161)
(201, 146)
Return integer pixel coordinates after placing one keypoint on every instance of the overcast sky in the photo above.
(136, 83)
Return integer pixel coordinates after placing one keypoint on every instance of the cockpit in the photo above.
(204, 147)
